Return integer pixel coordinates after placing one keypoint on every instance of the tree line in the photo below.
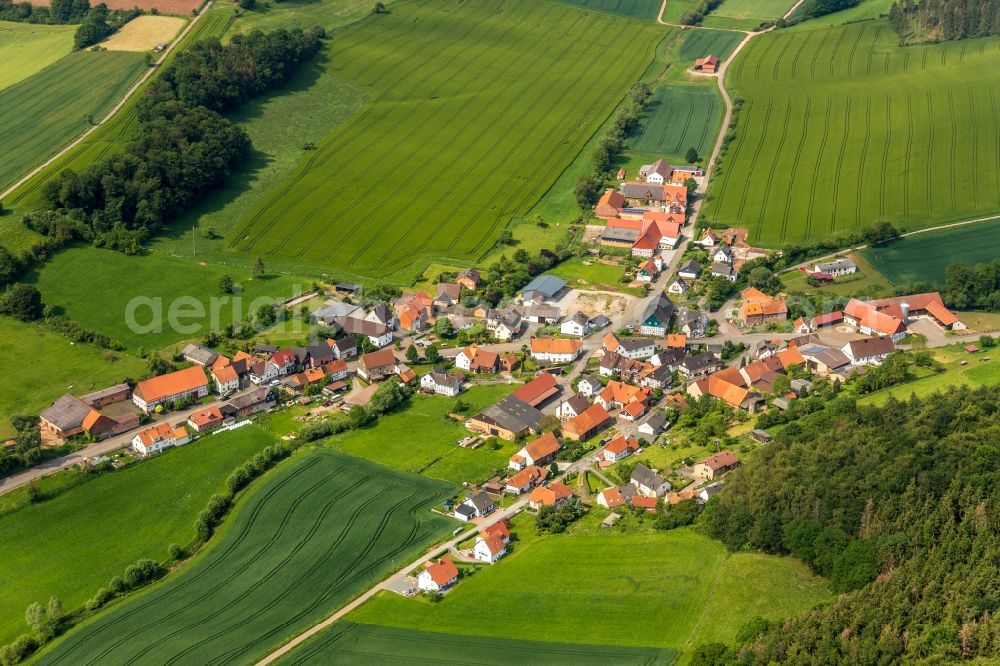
(944, 20)
(897, 505)
(100, 22)
(58, 11)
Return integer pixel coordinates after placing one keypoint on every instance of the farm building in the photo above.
(759, 308)
(173, 386)
(708, 64)
(610, 204)
(538, 391)
(509, 418)
(592, 421)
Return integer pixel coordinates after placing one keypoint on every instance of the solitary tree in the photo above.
(692, 155)
(258, 267)
(226, 284)
(411, 354)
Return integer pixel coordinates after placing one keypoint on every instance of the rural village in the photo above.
(633, 347)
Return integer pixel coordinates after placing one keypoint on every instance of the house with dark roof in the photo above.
(469, 279)
(656, 317)
(200, 355)
(868, 351)
(690, 271)
(508, 418)
(546, 285)
(699, 365)
(377, 365)
(572, 407)
(378, 334)
(648, 483)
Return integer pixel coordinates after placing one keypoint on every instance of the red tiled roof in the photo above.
(550, 494)
(543, 447)
(206, 417)
(443, 571)
(172, 383)
(538, 390)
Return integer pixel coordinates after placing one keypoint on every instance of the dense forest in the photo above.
(942, 20)
(897, 505)
(183, 146)
(973, 287)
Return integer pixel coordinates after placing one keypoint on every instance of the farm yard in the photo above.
(458, 128)
(680, 116)
(72, 544)
(314, 534)
(422, 439)
(638, 9)
(56, 366)
(112, 136)
(669, 600)
(746, 14)
(348, 643)
(99, 300)
(47, 110)
(841, 127)
(26, 48)
(700, 43)
(924, 257)
(143, 33)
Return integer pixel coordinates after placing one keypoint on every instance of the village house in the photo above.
(476, 505)
(489, 549)
(377, 333)
(655, 319)
(690, 271)
(631, 348)
(171, 387)
(691, 323)
(225, 377)
(723, 254)
(69, 415)
(715, 465)
(722, 269)
(653, 425)
(156, 439)
(610, 204)
(801, 326)
(448, 294)
(678, 287)
(828, 319)
(206, 420)
(553, 494)
(648, 482)
(825, 361)
(509, 419)
(589, 423)
(571, 407)
(249, 403)
(377, 365)
(708, 239)
(555, 350)
(540, 452)
(699, 365)
(469, 279)
(617, 395)
(578, 325)
(199, 355)
(657, 173)
(542, 313)
(414, 314)
(478, 360)
(727, 387)
(890, 316)
(344, 348)
(525, 480)
(500, 529)
(648, 271)
(441, 383)
(438, 576)
(381, 315)
(503, 324)
(619, 448)
(868, 351)
(588, 386)
(837, 268)
(610, 498)
(758, 308)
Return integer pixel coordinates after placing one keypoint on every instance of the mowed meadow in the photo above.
(26, 48)
(47, 110)
(474, 109)
(310, 537)
(841, 127)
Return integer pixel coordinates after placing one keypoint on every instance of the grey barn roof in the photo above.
(550, 285)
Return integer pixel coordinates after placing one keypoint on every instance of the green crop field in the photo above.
(746, 14)
(57, 366)
(307, 539)
(842, 127)
(675, 9)
(680, 117)
(71, 545)
(26, 48)
(700, 43)
(348, 643)
(573, 580)
(113, 135)
(97, 287)
(925, 257)
(640, 9)
(422, 439)
(49, 109)
(475, 108)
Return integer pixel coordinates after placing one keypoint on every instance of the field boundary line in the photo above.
(116, 108)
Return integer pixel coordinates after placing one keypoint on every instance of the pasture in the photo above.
(26, 48)
(982, 368)
(145, 289)
(841, 127)
(746, 14)
(480, 127)
(72, 544)
(679, 117)
(47, 110)
(311, 536)
(925, 257)
(143, 33)
(348, 643)
(112, 136)
(639, 9)
(663, 583)
(423, 440)
(57, 366)
(700, 43)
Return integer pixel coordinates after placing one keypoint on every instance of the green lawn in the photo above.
(667, 588)
(26, 48)
(348, 643)
(925, 257)
(976, 372)
(822, 146)
(590, 274)
(311, 536)
(71, 545)
(746, 14)
(680, 116)
(867, 281)
(40, 366)
(639, 9)
(700, 43)
(421, 439)
(422, 67)
(44, 112)
(100, 288)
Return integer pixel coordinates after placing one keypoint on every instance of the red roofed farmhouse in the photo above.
(542, 451)
(171, 387)
(438, 576)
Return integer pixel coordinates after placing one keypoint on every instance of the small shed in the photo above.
(611, 520)
(761, 436)
(971, 349)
